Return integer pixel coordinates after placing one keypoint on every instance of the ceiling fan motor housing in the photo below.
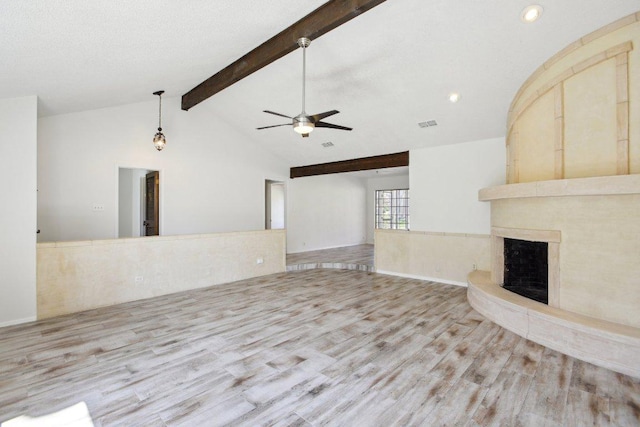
(303, 124)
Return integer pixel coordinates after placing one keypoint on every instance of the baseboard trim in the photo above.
(429, 279)
(18, 321)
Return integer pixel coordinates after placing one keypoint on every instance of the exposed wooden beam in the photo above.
(364, 163)
(322, 20)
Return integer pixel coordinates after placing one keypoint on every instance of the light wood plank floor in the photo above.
(310, 348)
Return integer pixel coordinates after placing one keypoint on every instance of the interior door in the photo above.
(152, 205)
(275, 205)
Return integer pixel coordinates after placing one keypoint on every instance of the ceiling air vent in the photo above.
(428, 124)
(327, 144)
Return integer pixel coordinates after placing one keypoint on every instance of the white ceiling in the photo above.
(385, 70)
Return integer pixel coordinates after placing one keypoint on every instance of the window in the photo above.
(392, 209)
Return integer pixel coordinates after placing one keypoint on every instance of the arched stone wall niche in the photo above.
(578, 115)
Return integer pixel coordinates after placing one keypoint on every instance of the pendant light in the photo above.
(159, 141)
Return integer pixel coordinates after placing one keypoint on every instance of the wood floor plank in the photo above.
(461, 399)
(525, 357)
(274, 412)
(504, 399)
(415, 404)
(490, 363)
(547, 394)
(586, 409)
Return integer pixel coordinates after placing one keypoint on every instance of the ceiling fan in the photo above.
(304, 123)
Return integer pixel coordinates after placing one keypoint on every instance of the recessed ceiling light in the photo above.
(454, 97)
(531, 13)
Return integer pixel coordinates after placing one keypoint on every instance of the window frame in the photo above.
(398, 209)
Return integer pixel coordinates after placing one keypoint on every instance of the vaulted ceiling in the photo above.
(386, 70)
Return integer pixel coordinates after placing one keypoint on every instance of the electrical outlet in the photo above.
(475, 267)
(260, 261)
(139, 279)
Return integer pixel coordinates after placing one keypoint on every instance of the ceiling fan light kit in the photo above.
(303, 123)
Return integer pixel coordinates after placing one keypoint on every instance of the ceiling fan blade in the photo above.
(274, 126)
(277, 114)
(318, 117)
(331, 126)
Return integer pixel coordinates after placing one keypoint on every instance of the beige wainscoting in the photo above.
(572, 117)
(77, 276)
(443, 257)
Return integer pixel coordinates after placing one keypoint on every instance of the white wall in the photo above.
(444, 183)
(382, 183)
(18, 168)
(125, 202)
(211, 175)
(325, 211)
(130, 201)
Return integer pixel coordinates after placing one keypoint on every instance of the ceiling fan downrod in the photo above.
(304, 42)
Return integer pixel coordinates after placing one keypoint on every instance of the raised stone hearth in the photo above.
(602, 343)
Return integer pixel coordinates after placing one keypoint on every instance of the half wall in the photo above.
(78, 276)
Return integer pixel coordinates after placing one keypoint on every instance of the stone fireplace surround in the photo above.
(573, 174)
(592, 227)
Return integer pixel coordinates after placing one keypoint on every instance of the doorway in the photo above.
(274, 205)
(138, 202)
(151, 221)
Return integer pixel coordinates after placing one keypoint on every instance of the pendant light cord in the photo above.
(160, 114)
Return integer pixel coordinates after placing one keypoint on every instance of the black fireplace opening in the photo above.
(526, 269)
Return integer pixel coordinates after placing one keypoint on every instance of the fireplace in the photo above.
(526, 269)
(588, 226)
(527, 262)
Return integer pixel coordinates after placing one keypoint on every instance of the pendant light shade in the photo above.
(159, 140)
